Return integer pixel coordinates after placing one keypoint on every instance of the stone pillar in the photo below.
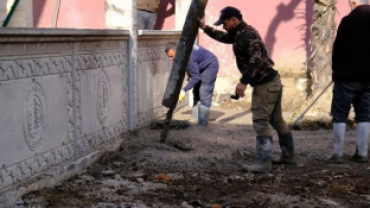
(182, 7)
(132, 112)
(121, 14)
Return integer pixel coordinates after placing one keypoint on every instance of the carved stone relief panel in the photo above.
(29, 87)
(153, 72)
(41, 102)
(101, 90)
(34, 116)
(25, 68)
(102, 105)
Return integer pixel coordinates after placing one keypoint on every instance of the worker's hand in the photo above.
(182, 96)
(202, 23)
(240, 88)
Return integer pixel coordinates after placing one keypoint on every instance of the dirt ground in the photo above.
(200, 167)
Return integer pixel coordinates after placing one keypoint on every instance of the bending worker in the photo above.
(202, 69)
(257, 70)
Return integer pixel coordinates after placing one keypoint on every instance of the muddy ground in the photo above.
(200, 167)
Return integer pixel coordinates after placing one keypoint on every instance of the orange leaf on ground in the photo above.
(163, 177)
(215, 205)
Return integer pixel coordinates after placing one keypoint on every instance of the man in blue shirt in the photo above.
(202, 69)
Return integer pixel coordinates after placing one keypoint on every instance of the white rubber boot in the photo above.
(339, 130)
(362, 136)
(194, 114)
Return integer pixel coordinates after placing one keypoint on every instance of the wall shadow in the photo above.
(284, 14)
(3, 9)
(38, 7)
(309, 21)
(214, 115)
(163, 13)
(307, 39)
(233, 117)
(287, 12)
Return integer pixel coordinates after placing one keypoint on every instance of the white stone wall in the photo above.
(65, 99)
(63, 103)
(182, 8)
(122, 15)
(118, 14)
(153, 70)
(22, 16)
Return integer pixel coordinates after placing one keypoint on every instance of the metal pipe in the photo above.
(10, 14)
(166, 129)
(55, 13)
(300, 117)
(184, 48)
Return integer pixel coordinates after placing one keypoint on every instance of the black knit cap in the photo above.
(227, 13)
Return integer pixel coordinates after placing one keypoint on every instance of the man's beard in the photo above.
(232, 31)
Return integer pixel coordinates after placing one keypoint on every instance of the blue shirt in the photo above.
(202, 66)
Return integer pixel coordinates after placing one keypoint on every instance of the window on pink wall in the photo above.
(69, 14)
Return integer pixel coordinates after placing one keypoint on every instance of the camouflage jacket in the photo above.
(250, 52)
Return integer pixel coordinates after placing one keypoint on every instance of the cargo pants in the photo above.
(266, 108)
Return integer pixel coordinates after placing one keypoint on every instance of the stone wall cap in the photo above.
(158, 33)
(19, 32)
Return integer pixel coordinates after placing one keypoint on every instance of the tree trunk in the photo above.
(323, 29)
(319, 64)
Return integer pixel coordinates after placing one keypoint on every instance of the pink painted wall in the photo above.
(284, 26)
(166, 15)
(86, 14)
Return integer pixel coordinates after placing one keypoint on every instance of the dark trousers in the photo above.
(347, 93)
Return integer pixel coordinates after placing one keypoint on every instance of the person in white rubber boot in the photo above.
(351, 77)
(202, 69)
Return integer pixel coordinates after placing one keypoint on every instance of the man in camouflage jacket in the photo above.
(257, 70)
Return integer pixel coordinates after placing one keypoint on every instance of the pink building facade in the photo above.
(89, 14)
(69, 14)
(284, 25)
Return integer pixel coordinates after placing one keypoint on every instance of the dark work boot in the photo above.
(264, 147)
(287, 150)
(358, 158)
(336, 159)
